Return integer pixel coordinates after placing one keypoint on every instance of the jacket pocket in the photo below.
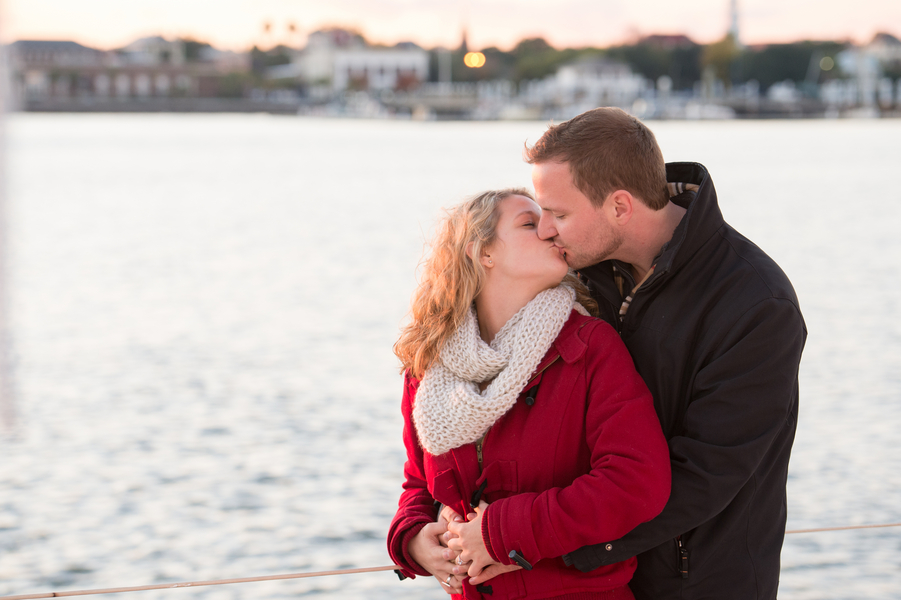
(445, 488)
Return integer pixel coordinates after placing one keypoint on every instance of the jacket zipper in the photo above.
(543, 369)
(481, 442)
(683, 558)
(479, 450)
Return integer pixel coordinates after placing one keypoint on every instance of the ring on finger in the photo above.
(459, 560)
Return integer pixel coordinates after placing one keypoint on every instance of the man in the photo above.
(714, 328)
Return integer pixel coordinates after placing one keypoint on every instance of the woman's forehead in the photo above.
(516, 205)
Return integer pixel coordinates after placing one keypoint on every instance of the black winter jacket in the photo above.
(717, 335)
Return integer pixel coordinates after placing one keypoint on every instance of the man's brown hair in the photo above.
(606, 149)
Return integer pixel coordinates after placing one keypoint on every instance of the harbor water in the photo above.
(203, 307)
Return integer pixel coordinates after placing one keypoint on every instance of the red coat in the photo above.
(586, 463)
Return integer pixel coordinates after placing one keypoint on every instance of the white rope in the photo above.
(184, 584)
(832, 529)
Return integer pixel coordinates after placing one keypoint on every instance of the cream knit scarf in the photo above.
(449, 410)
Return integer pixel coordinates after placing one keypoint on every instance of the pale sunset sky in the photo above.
(238, 24)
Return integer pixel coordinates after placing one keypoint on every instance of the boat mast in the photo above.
(7, 398)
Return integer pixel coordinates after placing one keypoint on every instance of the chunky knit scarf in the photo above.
(449, 410)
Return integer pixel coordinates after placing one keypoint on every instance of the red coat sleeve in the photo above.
(629, 480)
(416, 507)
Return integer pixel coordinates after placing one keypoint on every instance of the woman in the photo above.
(521, 406)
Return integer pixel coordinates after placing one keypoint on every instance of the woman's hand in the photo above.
(427, 550)
(489, 572)
(466, 539)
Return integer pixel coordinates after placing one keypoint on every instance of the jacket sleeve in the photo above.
(629, 478)
(743, 396)
(416, 507)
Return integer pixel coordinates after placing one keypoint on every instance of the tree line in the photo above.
(677, 57)
(684, 62)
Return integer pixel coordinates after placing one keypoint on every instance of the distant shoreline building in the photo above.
(338, 73)
(336, 60)
(147, 68)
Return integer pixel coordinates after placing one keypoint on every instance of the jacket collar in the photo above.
(702, 217)
(701, 221)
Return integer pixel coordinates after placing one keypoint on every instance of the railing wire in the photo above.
(186, 584)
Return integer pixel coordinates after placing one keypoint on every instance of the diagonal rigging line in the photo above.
(164, 586)
(830, 529)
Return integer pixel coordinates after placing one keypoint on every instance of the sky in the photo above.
(239, 24)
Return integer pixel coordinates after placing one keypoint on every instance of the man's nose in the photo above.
(546, 230)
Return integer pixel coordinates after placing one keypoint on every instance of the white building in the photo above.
(380, 68)
(885, 47)
(44, 71)
(152, 51)
(316, 63)
(598, 82)
(336, 60)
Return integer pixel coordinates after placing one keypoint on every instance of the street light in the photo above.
(474, 60)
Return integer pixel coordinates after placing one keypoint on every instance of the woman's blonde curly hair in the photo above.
(451, 279)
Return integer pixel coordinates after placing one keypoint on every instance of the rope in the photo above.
(164, 586)
(826, 529)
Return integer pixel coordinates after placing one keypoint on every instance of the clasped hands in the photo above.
(452, 549)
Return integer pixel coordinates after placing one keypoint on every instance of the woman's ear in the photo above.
(485, 259)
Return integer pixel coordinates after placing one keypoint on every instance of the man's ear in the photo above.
(469, 249)
(622, 205)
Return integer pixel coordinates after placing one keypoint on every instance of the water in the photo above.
(204, 308)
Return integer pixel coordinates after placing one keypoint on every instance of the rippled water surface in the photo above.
(203, 309)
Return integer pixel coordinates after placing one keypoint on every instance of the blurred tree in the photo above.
(260, 60)
(680, 59)
(720, 56)
(194, 49)
(650, 61)
(673, 55)
(234, 85)
(779, 62)
(498, 65)
(534, 58)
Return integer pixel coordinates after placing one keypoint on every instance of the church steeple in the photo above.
(733, 22)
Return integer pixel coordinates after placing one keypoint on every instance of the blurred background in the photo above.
(211, 216)
(469, 59)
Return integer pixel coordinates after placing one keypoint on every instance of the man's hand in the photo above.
(492, 571)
